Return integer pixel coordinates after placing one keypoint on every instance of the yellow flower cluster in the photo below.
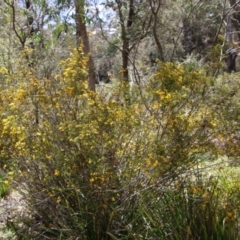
(56, 173)
(3, 70)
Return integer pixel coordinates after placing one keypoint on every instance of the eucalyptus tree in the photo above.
(28, 23)
(82, 36)
(78, 15)
(135, 21)
(30, 18)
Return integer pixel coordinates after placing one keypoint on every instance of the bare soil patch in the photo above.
(12, 207)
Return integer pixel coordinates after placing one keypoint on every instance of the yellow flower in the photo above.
(47, 156)
(168, 96)
(6, 182)
(3, 70)
(229, 217)
(155, 164)
(148, 162)
(56, 173)
(195, 190)
(59, 199)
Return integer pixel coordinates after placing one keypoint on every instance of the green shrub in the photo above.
(201, 209)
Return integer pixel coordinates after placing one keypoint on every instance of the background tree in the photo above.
(155, 7)
(234, 17)
(82, 37)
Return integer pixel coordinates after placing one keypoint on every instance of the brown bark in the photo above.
(125, 41)
(124, 35)
(125, 45)
(81, 32)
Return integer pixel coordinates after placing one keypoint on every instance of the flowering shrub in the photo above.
(88, 162)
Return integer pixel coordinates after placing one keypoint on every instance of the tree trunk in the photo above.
(125, 56)
(126, 44)
(124, 35)
(81, 32)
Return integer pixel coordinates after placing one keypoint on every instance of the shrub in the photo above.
(92, 168)
(201, 209)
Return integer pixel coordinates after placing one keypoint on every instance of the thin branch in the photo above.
(12, 6)
(155, 21)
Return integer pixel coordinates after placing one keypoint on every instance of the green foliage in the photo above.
(112, 47)
(4, 186)
(193, 209)
(214, 58)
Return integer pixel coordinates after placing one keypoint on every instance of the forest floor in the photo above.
(11, 207)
